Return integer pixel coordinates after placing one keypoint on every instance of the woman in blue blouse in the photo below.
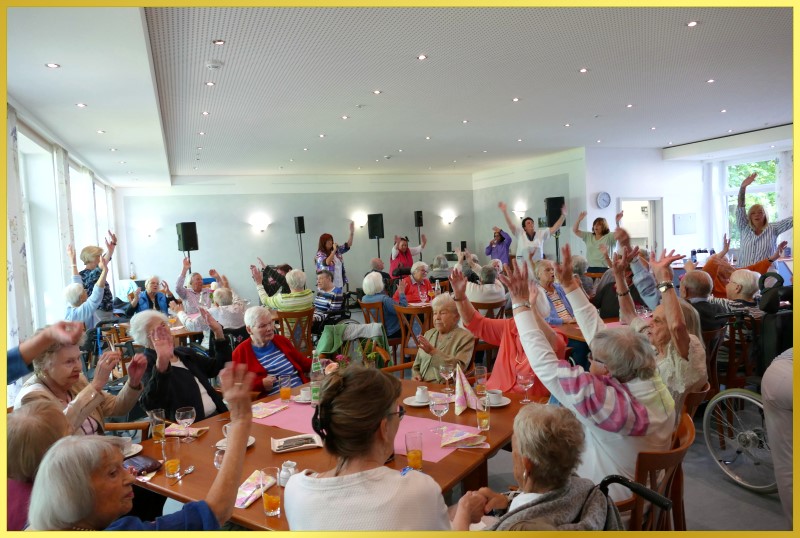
(373, 293)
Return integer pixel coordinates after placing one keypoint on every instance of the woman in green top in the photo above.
(600, 235)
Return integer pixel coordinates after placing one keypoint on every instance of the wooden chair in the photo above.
(740, 332)
(445, 286)
(143, 427)
(296, 326)
(658, 471)
(373, 313)
(411, 316)
(712, 341)
(694, 399)
(494, 310)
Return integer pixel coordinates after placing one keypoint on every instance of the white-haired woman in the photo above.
(269, 355)
(622, 403)
(178, 376)
(298, 299)
(149, 299)
(90, 274)
(373, 293)
(440, 268)
(579, 267)
(57, 378)
(418, 288)
(546, 450)
(87, 488)
(81, 305)
(444, 343)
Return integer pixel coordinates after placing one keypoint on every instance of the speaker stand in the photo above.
(558, 250)
(419, 240)
(188, 254)
(300, 243)
(378, 239)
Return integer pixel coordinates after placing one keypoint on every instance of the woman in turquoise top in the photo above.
(600, 235)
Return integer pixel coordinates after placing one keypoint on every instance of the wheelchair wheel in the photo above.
(736, 436)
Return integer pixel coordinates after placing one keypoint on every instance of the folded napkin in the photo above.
(461, 439)
(465, 396)
(265, 409)
(176, 430)
(250, 490)
(146, 477)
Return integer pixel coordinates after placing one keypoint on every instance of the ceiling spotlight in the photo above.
(345, 117)
(629, 105)
(486, 151)
(305, 149)
(691, 24)
(218, 41)
(81, 105)
(100, 131)
(112, 149)
(199, 147)
(201, 133)
(515, 99)
(454, 161)
(376, 92)
(723, 111)
(519, 140)
(583, 70)
(209, 83)
(122, 162)
(422, 57)
(400, 150)
(194, 168)
(772, 147)
(291, 160)
(670, 142)
(566, 125)
(205, 113)
(730, 130)
(598, 140)
(464, 121)
(427, 138)
(377, 161)
(322, 135)
(710, 81)
(652, 128)
(52, 66)
(129, 172)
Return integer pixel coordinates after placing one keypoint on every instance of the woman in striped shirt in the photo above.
(758, 237)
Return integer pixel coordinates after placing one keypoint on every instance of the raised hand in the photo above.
(352, 226)
(603, 248)
(424, 344)
(111, 244)
(779, 251)
(516, 280)
(261, 264)
(502, 206)
(749, 180)
(661, 268)
(71, 252)
(495, 229)
(533, 296)
(108, 361)
(66, 332)
(175, 306)
(564, 209)
(236, 382)
(187, 264)
(401, 287)
(136, 369)
(424, 240)
(564, 269)
(258, 278)
(165, 288)
(581, 216)
(621, 235)
(214, 274)
(161, 339)
(458, 282)
(618, 217)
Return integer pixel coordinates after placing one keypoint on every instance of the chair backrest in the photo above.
(694, 399)
(445, 285)
(712, 340)
(414, 321)
(373, 312)
(493, 310)
(296, 326)
(143, 427)
(656, 470)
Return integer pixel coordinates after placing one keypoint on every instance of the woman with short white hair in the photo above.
(418, 288)
(298, 299)
(373, 293)
(82, 306)
(440, 268)
(444, 343)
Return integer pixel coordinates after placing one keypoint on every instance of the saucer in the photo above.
(298, 399)
(503, 402)
(222, 444)
(132, 450)
(413, 402)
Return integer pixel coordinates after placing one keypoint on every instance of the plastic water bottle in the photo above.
(437, 290)
(694, 256)
(316, 378)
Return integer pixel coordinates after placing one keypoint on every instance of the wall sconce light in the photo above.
(360, 219)
(519, 209)
(448, 216)
(259, 222)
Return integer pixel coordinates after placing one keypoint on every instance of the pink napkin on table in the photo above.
(250, 490)
(461, 439)
(176, 430)
(265, 409)
(465, 396)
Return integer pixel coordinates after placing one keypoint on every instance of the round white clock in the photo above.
(603, 200)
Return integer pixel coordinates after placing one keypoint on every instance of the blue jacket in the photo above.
(391, 323)
(144, 303)
(553, 318)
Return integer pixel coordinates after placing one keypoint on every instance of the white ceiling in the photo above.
(290, 74)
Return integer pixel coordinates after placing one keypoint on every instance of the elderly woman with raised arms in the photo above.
(87, 488)
(758, 236)
(445, 343)
(622, 403)
(57, 378)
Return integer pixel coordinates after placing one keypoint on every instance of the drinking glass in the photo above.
(447, 371)
(171, 450)
(480, 380)
(158, 424)
(218, 456)
(482, 409)
(414, 450)
(525, 381)
(286, 387)
(185, 417)
(439, 406)
(270, 491)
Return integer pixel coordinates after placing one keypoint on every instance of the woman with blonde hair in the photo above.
(758, 237)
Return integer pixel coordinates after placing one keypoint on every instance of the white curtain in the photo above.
(785, 189)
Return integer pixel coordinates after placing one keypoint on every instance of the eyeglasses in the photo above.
(401, 412)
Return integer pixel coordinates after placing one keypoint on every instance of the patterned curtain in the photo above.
(785, 190)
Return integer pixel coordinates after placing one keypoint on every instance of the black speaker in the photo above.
(449, 246)
(187, 236)
(553, 209)
(375, 225)
(463, 246)
(418, 219)
(299, 225)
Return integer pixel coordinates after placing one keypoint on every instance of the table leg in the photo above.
(478, 478)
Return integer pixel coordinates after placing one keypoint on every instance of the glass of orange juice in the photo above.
(270, 491)
(157, 425)
(480, 380)
(482, 408)
(414, 450)
(172, 456)
(286, 387)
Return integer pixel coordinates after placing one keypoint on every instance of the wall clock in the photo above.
(603, 200)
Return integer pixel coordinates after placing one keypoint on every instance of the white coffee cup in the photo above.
(305, 393)
(422, 394)
(495, 396)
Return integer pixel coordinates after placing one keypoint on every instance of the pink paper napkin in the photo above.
(265, 409)
(465, 396)
(250, 490)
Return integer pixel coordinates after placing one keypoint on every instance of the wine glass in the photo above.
(431, 295)
(218, 455)
(439, 406)
(525, 381)
(185, 417)
(447, 372)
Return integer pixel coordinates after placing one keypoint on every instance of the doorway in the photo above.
(643, 219)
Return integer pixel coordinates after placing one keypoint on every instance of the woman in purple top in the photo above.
(499, 245)
(329, 256)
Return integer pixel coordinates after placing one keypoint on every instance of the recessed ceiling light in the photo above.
(52, 66)
(122, 162)
(723, 111)
(464, 121)
(629, 105)
(205, 113)
(81, 105)
(345, 117)
(454, 161)
(772, 147)
(377, 160)
(422, 57)
(194, 168)
(199, 147)
(730, 130)
(112, 149)
(598, 140)
(566, 125)
(516, 99)
(400, 150)
(652, 128)
(218, 41)
(201, 133)
(519, 140)
(100, 131)
(486, 151)
(691, 24)
(322, 135)
(670, 142)
(376, 92)
(305, 149)
(710, 81)
(583, 70)
(427, 138)
(291, 160)
(209, 83)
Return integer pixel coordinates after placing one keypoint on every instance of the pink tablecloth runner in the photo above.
(298, 418)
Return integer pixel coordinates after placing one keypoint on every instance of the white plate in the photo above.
(132, 450)
(503, 402)
(412, 402)
(297, 399)
(223, 443)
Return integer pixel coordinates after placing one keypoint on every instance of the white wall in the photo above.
(632, 173)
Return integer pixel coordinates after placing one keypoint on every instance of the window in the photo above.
(82, 201)
(762, 191)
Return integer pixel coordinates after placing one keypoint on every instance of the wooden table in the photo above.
(467, 465)
(573, 332)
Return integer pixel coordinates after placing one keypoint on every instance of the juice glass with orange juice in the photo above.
(482, 410)
(414, 450)
(157, 424)
(270, 491)
(172, 456)
(286, 387)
